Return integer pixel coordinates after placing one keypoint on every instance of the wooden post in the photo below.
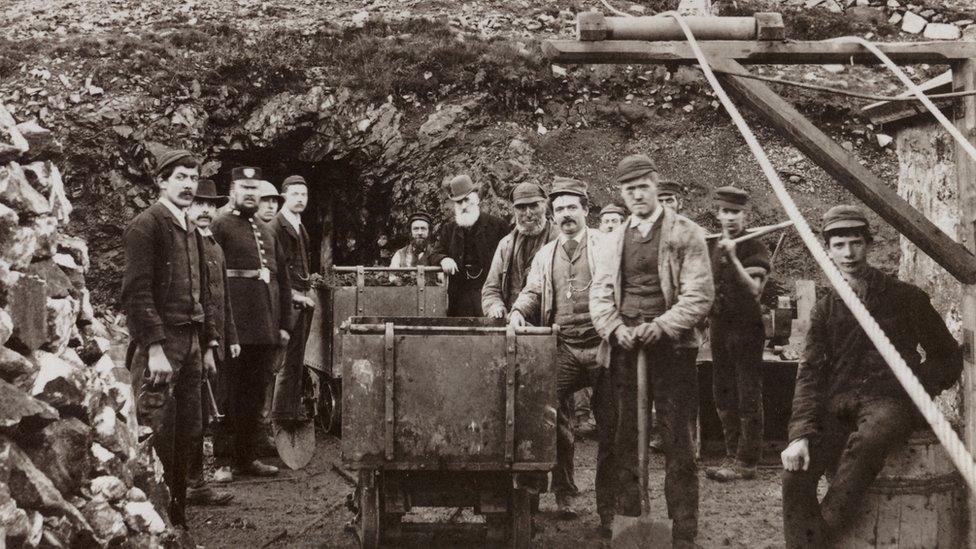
(964, 79)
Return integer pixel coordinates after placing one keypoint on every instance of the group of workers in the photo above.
(210, 294)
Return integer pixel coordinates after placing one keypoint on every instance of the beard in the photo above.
(419, 243)
(530, 226)
(466, 218)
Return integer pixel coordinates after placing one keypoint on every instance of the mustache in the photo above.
(565, 220)
(186, 194)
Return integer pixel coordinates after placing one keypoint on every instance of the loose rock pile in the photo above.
(72, 469)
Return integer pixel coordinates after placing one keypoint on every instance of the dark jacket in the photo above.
(295, 246)
(219, 296)
(487, 231)
(149, 247)
(496, 288)
(260, 309)
(840, 363)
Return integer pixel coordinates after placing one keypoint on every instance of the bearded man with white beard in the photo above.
(510, 266)
(465, 247)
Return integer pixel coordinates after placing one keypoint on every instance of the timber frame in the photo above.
(727, 58)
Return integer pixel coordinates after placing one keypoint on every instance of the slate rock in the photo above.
(17, 369)
(42, 143)
(18, 194)
(46, 230)
(59, 382)
(109, 488)
(107, 523)
(942, 31)
(75, 247)
(58, 283)
(141, 516)
(26, 304)
(21, 412)
(60, 450)
(19, 246)
(62, 314)
(13, 145)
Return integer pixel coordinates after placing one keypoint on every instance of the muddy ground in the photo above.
(306, 509)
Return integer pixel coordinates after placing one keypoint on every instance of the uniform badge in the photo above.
(249, 173)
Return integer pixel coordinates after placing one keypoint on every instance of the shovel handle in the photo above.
(643, 417)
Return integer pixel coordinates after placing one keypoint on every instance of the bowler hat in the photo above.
(845, 216)
(170, 157)
(245, 172)
(266, 189)
(527, 193)
(634, 166)
(207, 191)
(293, 180)
(731, 197)
(461, 186)
(613, 209)
(420, 216)
(668, 187)
(567, 185)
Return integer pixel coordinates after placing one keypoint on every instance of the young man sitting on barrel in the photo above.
(849, 411)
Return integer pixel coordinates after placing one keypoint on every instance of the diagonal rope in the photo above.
(940, 426)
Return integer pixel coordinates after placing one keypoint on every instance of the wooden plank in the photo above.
(964, 79)
(753, 52)
(845, 168)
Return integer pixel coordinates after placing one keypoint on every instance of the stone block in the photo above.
(6, 326)
(17, 369)
(26, 304)
(58, 283)
(20, 412)
(62, 313)
(113, 434)
(141, 516)
(20, 245)
(60, 451)
(107, 523)
(41, 141)
(13, 145)
(75, 247)
(107, 463)
(18, 194)
(71, 269)
(46, 230)
(942, 31)
(59, 383)
(109, 488)
(913, 23)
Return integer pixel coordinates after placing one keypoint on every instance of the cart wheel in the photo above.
(329, 416)
(369, 510)
(520, 536)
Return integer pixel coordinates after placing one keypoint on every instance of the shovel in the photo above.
(641, 532)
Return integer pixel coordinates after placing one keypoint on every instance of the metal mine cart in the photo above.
(335, 304)
(445, 412)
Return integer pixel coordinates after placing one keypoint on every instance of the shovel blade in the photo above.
(296, 444)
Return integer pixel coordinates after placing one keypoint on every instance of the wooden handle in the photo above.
(754, 232)
(356, 268)
(643, 417)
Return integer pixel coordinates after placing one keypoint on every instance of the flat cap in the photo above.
(293, 180)
(245, 172)
(634, 166)
(460, 186)
(669, 187)
(731, 197)
(527, 193)
(266, 189)
(845, 216)
(420, 216)
(613, 209)
(567, 185)
(171, 157)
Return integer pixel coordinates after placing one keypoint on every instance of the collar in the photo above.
(578, 238)
(205, 232)
(291, 218)
(635, 221)
(178, 213)
(873, 282)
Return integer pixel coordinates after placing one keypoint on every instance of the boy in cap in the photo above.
(737, 338)
(641, 300)
(165, 297)
(513, 256)
(201, 213)
(849, 410)
(270, 201)
(465, 247)
(670, 195)
(611, 217)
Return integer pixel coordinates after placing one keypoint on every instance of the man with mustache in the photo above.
(652, 287)
(414, 253)
(286, 407)
(557, 291)
(260, 295)
(166, 301)
(849, 410)
(465, 247)
(201, 213)
(514, 254)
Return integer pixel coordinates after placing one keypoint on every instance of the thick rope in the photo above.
(940, 426)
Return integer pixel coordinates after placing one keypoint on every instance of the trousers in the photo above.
(287, 401)
(246, 380)
(737, 388)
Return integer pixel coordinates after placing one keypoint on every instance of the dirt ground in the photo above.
(306, 509)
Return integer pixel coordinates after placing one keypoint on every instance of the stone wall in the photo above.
(72, 469)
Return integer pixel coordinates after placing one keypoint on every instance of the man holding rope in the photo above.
(849, 411)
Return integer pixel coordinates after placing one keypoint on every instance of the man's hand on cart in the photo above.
(449, 266)
(516, 319)
(497, 311)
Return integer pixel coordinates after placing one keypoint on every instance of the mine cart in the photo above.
(336, 303)
(446, 412)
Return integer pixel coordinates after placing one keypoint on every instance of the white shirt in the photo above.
(644, 225)
(578, 238)
(292, 218)
(179, 214)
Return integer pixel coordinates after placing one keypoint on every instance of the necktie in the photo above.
(570, 247)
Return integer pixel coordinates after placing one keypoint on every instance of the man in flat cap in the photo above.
(611, 217)
(269, 201)
(201, 213)
(514, 254)
(260, 295)
(415, 252)
(286, 409)
(465, 247)
(737, 337)
(653, 285)
(558, 292)
(670, 195)
(166, 301)
(849, 410)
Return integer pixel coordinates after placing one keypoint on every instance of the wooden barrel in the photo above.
(918, 501)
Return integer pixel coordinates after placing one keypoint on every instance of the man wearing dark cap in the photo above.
(849, 410)
(294, 242)
(514, 254)
(737, 338)
(415, 253)
(465, 247)
(166, 301)
(558, 292)
(260, 295)
(611, 217)
(202, 213)
(652, 287)
(670, 195)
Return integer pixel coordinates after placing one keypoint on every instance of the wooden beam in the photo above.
(753, 52)
(845, 168)
(964, 79)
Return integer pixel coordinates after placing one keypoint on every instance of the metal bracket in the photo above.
(360, 289)
(389, 361)
(421, 284)
(511, 367)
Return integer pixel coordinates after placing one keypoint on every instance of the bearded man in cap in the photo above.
(260, 295)
(514, 254)
(166, 300)
(652, 286)
(670, 195)
(465, 247)
(849, 410)
(286, 406)
(557, 291)
(611, 217)
(415, 253)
